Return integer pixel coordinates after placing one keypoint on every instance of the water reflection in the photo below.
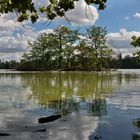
(89, 102)
(70, 92)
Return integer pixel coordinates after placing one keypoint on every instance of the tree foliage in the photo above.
(136, 43)
(25, 9)
(69, 50)
(97, 38)
(127, 62)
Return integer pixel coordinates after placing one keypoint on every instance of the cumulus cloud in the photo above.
(121, 41)
(137, 15)
(83, 14)
(11, 56)
(14, 38)
(14, 42)
(8, 22)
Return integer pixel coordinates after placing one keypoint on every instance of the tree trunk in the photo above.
(60, 50)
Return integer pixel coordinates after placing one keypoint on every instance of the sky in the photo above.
(121, 17)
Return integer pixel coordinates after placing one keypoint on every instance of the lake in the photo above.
(102, 106)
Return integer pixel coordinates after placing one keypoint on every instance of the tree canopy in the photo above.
(135, 41)
(25, 9)
(67, 49)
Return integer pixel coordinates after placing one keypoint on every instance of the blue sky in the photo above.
(120, 14)
(117, 15)
(121, 17)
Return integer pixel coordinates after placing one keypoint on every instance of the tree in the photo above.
(106, 57)
(41, 52)
(85, 55)
(61, 35)
(51, 50)
(97, 38)
(67, 49)
(25, 9)
(136, 43)
(65, 38)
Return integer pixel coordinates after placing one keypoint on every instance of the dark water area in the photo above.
(102, 106)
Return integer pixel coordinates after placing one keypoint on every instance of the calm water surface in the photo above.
(104, 104)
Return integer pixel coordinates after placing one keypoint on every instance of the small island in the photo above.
(65, 49)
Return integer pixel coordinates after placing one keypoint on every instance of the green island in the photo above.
(69, 50)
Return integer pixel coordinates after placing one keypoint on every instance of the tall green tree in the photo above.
(97, 38)
(42, 51)
(51, 50)
(65, 37)
(66, 49)
(85, 55)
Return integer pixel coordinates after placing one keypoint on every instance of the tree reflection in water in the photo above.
(66, 92)
(81, 97)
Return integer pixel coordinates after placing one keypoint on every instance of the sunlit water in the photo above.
(103, 104)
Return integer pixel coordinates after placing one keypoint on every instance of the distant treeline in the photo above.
(127, 62)
(9, 64)
(116, 63)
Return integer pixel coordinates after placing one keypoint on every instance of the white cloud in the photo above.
(11, 56)
(137, 15)
(83, 14)
(10, 43)
(14, 38)
(8, 22)
(127, 18)
(46, 31)
(121, 41)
